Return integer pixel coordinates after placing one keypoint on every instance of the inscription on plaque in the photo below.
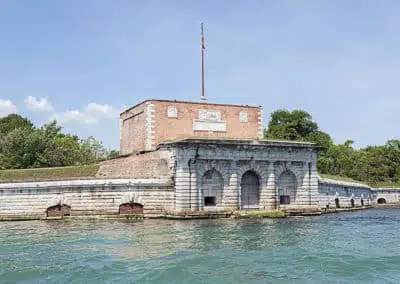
(209, 120)
(205, 114)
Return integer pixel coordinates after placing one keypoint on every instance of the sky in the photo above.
(83, 61)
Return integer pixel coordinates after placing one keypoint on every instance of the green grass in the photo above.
(340, 178)
(371, 184)
(43, 174)
(385, 184)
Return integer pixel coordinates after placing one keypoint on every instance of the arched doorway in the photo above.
(287, 187)
(131, 208)
(212, 184)
(58, 211)
(381, 201)
(250, 191)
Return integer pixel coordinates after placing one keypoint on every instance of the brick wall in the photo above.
(133, 130)
(146, 165)
(151, 122)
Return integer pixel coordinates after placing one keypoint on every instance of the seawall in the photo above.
(41, 200)
(154, 198)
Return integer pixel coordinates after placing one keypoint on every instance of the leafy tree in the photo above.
(13, 121)
(24, 146)
(295, 125)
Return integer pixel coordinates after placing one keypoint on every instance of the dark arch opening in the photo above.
(250, 190)
(287, 188)
(381, 201)
(131, 208)
(58, 210)
(212, 188)
(352, 203)
(362, 202)
(337, 203)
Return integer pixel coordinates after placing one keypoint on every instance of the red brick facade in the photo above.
(141, 166)
(151, 122)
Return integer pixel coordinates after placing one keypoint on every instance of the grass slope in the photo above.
(371, 184)
(45, 174)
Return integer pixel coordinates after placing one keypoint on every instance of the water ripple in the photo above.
(359, 247)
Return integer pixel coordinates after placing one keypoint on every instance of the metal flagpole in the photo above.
(203, 98)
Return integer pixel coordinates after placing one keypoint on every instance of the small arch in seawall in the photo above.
(131, 208)
(381, 200)
(58, 210)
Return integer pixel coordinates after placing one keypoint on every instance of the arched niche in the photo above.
(287, 188)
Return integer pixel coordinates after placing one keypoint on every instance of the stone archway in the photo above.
(250, 191)
(381, 200)
(287, 188)
(58, 210)
(131, 208)
(212, 184)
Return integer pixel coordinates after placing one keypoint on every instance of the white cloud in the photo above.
(7, 107)
(93, 113)
(41, 105)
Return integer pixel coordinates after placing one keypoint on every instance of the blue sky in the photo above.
(83, 61)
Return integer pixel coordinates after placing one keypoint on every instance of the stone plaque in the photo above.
(202, 125)
(243, 116)
(205, 114)
(172, 111)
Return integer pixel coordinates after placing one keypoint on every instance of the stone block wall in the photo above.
(270, 167)
(386, 195)
(85, 197)
(332, 193)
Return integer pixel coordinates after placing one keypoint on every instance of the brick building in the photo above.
(214, 157)
(151, 122)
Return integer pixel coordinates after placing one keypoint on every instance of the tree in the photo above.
(13, 121)
(296, 125)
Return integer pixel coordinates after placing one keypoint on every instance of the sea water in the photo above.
(356, 247)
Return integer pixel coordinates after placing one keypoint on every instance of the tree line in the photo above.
(372, 164)
(22, 146)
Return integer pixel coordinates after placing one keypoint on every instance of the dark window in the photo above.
(284, 199)
(208, 175)
(362, 202)
(337, 204)
(209, 201)
(352, 203)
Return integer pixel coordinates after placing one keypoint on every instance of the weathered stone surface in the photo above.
(196, 175)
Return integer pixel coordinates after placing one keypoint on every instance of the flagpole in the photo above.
(203, 97)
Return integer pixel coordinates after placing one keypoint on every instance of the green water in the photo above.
(360, 247)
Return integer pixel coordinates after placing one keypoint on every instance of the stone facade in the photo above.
(340, 194)
(87, 197)
(215, 175)
(151, 122)
(386, 195)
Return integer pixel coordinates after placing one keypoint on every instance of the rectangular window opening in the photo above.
(284, 199)
(209, 201)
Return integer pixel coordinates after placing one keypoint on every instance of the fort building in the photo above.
(180, 158)
(215, 156)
